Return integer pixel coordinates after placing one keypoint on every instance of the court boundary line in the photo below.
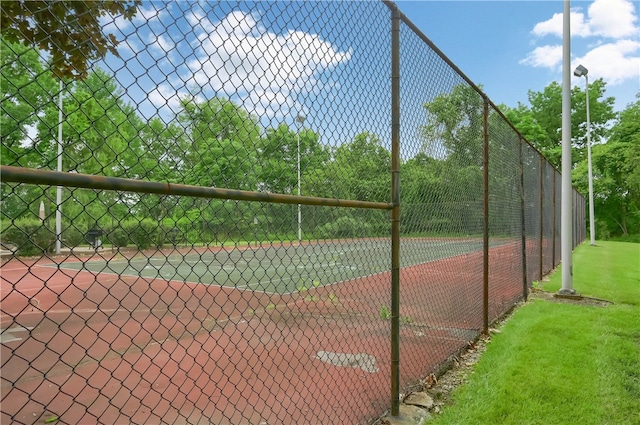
(245, 288)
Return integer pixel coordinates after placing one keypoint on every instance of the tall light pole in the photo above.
(300, 118)
(581, 71)
(59, 169)
(566, 213)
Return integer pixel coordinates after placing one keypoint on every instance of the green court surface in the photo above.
(280, 269)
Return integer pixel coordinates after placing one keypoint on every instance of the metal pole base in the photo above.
(567, 292)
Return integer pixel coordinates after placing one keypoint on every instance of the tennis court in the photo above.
(277, 269)
(120, 311)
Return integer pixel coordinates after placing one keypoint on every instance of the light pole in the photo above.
(300, 118)
(566, 222)
(581, 71)
(59, 169)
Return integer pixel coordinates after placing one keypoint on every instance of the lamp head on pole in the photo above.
(301, 118)
(581, 71)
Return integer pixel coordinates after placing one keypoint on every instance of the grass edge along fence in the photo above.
(520, 182)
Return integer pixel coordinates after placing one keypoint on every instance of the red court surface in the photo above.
(99, 348)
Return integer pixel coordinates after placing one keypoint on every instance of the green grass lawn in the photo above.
(564, 363)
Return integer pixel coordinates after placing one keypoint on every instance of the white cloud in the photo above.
(605, 18)
(613, 18)
(613, 51)
(166, 96)
(238, 57)
(160, 43)
(553, 26)
(544, 57)
(235, 57)
(615, 62)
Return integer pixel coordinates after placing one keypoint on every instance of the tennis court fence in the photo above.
(250, 213)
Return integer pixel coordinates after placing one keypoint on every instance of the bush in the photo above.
(344, 227)
(118, 237)
(628, 238)
(30, 236)
(72, 236)
(602, 230)
(144, 233)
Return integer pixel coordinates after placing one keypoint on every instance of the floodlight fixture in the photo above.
(580, 71)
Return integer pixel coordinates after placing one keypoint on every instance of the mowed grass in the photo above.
(558, 363)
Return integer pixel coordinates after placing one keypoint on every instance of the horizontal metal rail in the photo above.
(14, 174)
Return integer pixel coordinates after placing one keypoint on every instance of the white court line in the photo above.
(8, 335)
(212, 269)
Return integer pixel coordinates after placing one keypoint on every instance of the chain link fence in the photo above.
(253, 213)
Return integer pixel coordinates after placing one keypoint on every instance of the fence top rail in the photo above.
(9, 173)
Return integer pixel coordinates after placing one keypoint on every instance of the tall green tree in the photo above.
(541, 122)
(278, 154)
(361, 169)
(25, 89)
(616, 176)
(454, 126)
(422, 193)
(454, 133)
(358, 170)
(223, 138)
(101, 135)
(99, 130)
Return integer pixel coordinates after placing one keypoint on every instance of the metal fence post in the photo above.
(525, 287)
(541, 247)
(395, 212)
(485, 262)
(553, 238)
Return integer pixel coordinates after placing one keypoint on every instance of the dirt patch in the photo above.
(435, 390)
(576, 299)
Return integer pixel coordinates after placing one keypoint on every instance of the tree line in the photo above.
(615, 140)
(217, 143)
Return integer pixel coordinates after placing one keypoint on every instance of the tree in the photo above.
(278, 153)
(454, 125)
(526, 125)
(101, 135)
(100, 131)
(362, 169)
(26, 89)
(616, 176)
(455, 133)
(541, 123)
(69, 30)
(423, 192)
(223, 138)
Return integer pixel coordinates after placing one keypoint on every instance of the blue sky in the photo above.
(514, 46)
(330, 60)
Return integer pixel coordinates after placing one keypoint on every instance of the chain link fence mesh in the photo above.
(441, 195)
(215, 246)
(532, 207)
(505, 231)
(558, 217)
